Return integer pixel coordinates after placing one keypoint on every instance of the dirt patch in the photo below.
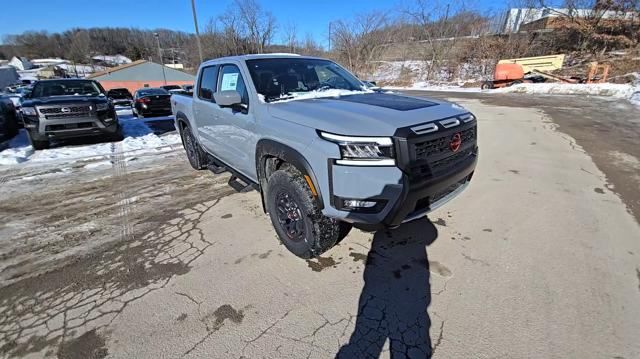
(440, 222)
(225, 312)
(89, 345)
(358, 257)
(321, 263)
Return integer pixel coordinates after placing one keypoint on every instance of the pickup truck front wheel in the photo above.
(298, 221)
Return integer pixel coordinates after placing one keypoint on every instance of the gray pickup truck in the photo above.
(324, 151)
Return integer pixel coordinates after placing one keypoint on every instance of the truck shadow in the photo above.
(396, 294)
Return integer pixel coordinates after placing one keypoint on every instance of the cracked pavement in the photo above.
(149, 259)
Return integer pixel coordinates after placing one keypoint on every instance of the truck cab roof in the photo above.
(257, 56)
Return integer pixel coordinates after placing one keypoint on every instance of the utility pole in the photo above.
(195, 22)
(164, 76)
(329, 36)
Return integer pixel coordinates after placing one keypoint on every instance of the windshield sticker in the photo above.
(229, 82)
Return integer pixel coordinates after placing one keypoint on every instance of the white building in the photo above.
(511, 20)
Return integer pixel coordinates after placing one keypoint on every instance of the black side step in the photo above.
(216, 169)
(239, 185)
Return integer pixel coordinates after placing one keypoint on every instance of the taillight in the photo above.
(143, 100)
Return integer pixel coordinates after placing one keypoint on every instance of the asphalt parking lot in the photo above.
(142, 257)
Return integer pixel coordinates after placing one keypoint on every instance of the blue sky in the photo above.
(310, 16)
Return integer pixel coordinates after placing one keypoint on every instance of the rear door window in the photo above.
(207, 84)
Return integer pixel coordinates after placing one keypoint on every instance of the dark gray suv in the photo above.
(68, 108)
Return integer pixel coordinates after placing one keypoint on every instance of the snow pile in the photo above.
(139, 139)
(622, 91)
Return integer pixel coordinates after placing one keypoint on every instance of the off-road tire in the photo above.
(195, 154)
(318, 233)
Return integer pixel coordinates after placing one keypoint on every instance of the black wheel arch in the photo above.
(267, 149)
(181, 122)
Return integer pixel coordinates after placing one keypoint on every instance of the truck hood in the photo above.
(371, 114)
(62, 100)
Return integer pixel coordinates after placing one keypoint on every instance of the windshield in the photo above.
(148, 92)
(282, 78)
(65, 88)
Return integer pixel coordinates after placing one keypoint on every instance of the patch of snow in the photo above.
(139, 139)
(124, 111)
(98, 164)
(113, 59)
(81, 70)
(318, 94)
(622, 91)
(426, 86)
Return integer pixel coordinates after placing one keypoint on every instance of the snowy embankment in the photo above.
(621, 91)
(426, 86)
(139, 139)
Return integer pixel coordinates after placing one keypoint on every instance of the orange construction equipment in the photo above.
(508, 74)
(505, 75)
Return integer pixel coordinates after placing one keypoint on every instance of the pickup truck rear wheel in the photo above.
(298, 221)
(195, 154)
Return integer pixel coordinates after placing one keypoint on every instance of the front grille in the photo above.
(434, 147)
(443, 164)
(70, 126)
(68, 110)
(67, 115)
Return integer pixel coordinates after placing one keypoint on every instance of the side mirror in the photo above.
(229, 98)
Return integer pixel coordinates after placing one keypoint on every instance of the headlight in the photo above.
(29, 111)
(363, 151)
(102, 106)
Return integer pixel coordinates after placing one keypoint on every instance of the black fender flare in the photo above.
(269, 148)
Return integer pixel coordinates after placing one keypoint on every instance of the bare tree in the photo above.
(290, 36)
(357, 42)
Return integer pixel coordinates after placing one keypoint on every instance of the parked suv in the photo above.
(324, 151)
(68, 108)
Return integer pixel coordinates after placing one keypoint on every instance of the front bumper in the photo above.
(96, 124)
(416, 186)
(404, 199)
